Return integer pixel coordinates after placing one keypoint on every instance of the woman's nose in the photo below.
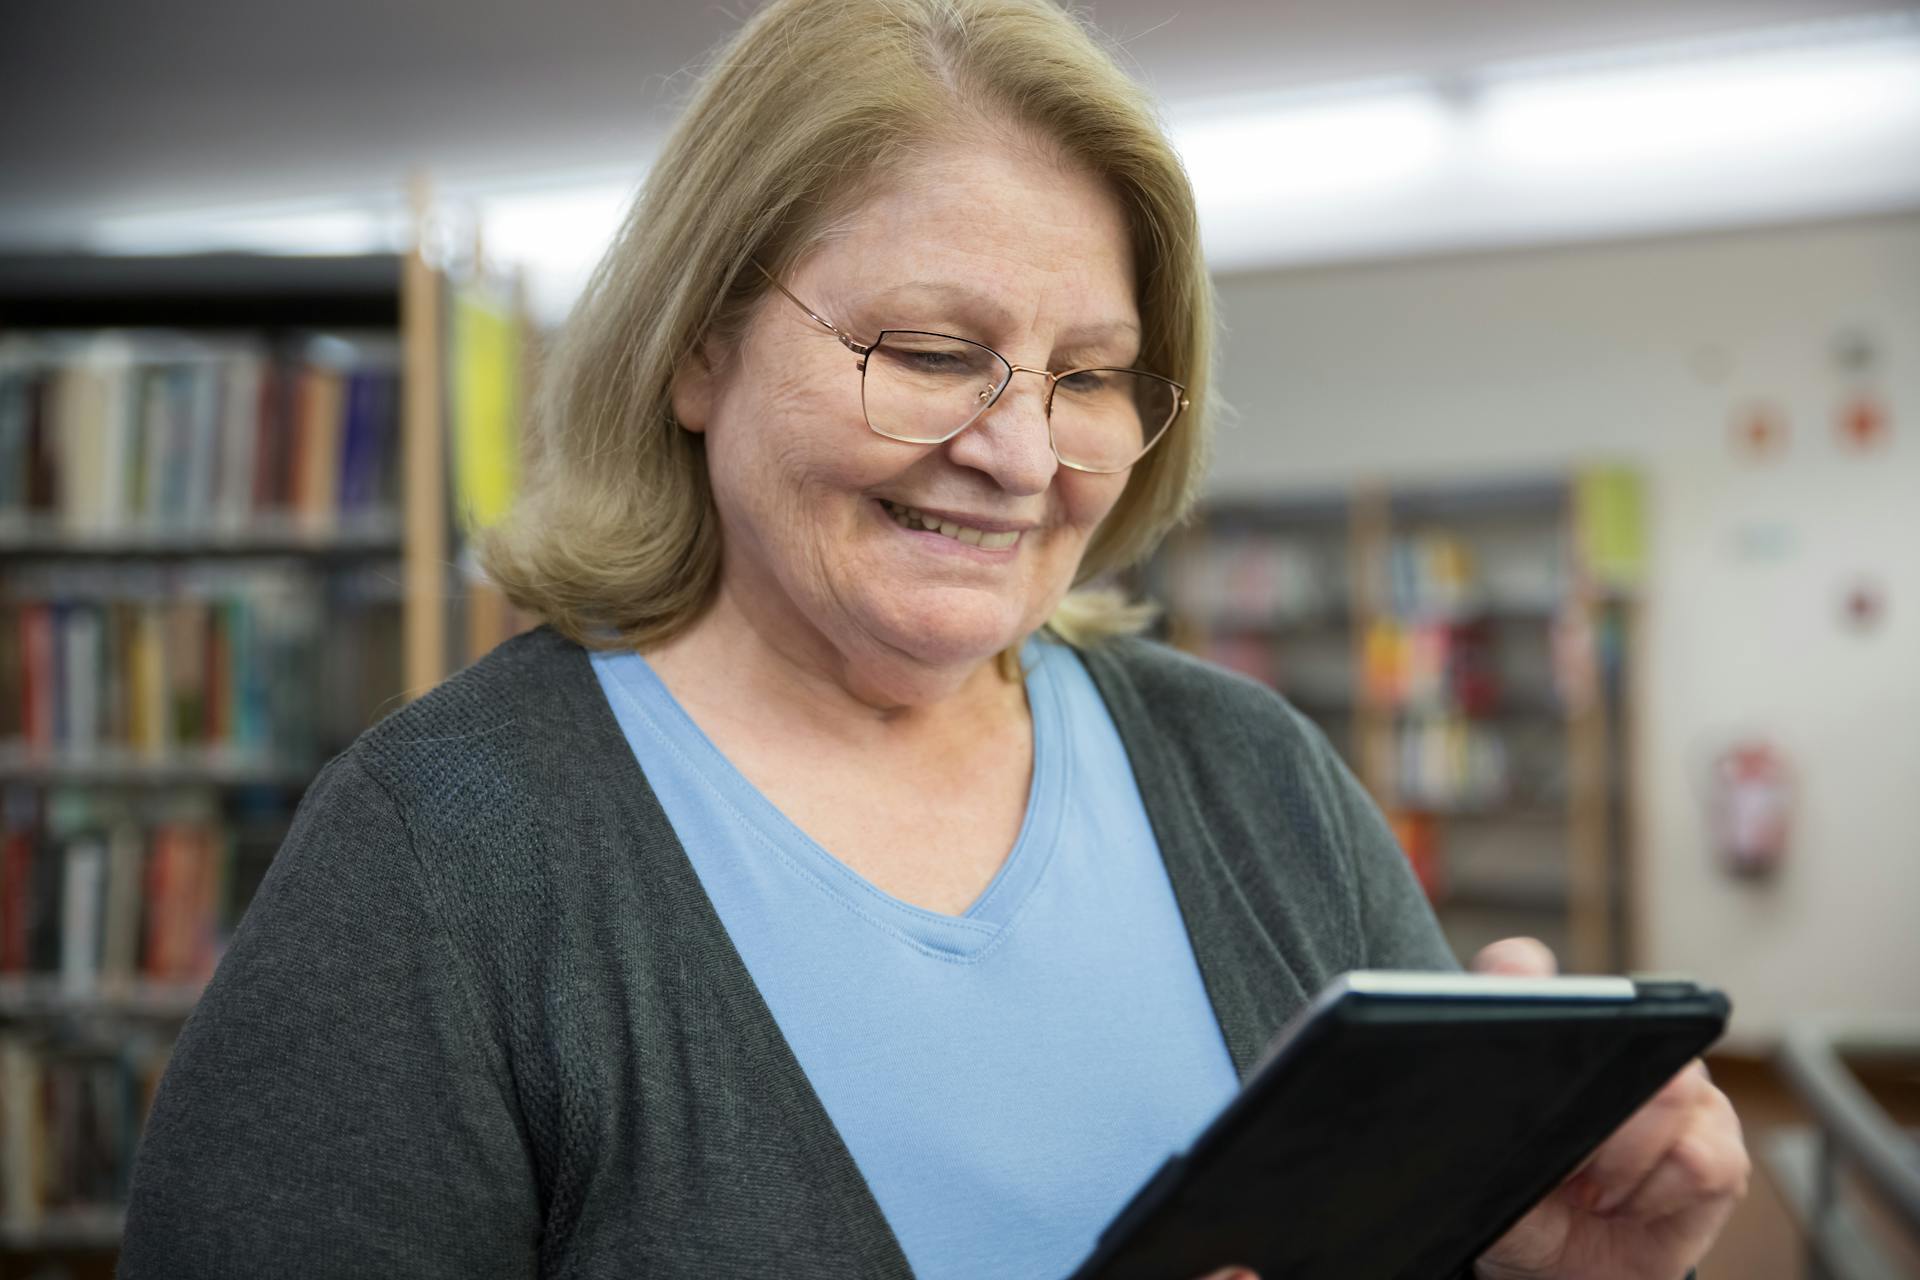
(1010, 440)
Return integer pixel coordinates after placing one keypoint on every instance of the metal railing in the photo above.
(1854, 1133)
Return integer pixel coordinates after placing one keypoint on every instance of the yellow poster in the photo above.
(1612, 526)
(486, 407)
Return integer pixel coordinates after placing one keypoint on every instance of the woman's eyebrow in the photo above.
(970, 302)
(1102, 331)
(975, 305)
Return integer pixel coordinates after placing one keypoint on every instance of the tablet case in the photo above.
(1400, 1135)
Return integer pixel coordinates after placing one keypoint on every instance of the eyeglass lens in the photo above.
(924, 388)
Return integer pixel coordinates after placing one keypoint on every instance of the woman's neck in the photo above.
(740, 669)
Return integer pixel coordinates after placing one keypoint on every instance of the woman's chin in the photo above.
(955, 640)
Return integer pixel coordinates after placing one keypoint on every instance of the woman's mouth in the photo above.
(909, 518)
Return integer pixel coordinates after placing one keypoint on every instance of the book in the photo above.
(157, 890)
(186, 671)
(79, 398)
(150, 484)
(119, 952)
(79, 690)
(14, 387)
(16, 897)
(147, 681)
(321, 408)
(240, 401)
(43, 912)
(270, 442)
(119, 431)
(37, 696)
(82, 902)
(200, 420)
(22, 1132)
(42, 468)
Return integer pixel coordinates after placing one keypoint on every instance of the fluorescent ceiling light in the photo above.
(1815, 120)
(340, 225)
(1772, 105)
(1313, 148)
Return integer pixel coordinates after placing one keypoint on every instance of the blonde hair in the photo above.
(615, 539)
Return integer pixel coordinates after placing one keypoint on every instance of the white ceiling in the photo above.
(110, 109)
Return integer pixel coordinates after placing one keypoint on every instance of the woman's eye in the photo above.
(934, 361)
(1086, 380)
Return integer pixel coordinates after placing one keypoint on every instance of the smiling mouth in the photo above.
(908, 518)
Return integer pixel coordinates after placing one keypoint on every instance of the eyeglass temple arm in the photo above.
(846, 340)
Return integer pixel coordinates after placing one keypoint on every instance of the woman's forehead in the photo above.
(1003, 234)
(1015, 194)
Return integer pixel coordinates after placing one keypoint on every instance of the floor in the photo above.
(1761, 1241)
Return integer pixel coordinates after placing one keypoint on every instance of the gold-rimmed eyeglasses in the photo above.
(926, 388)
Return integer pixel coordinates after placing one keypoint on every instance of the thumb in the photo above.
(1516, 958)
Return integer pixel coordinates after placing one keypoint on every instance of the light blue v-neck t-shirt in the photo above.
(1004, 1079)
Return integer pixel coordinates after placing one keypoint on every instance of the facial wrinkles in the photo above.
(819, 553)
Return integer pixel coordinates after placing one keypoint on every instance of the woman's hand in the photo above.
(1646, 1205)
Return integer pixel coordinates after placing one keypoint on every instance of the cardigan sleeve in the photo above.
(335, 1106)
(1397, 926)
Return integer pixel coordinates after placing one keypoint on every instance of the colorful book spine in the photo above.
(117, 435)
(15, 388)
(70, 1120)
(126, 853)
(83, 901)
(240, 401)
(220, 663)
(16, 881)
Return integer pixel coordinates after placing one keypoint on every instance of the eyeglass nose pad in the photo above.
(986, 394)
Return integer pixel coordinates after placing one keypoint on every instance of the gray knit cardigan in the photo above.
(481, 1020)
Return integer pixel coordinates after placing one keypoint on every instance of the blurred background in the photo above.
(1569, 479)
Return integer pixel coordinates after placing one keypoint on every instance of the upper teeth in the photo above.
(973, 537)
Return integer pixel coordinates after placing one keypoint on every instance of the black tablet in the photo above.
(1403, 1121)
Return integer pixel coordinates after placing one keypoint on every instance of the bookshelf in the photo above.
(229, 532)
(1466, 648)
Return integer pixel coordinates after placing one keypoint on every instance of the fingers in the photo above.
(1681, 1147)
(1624, 1160)
(1707, 1161)
(1516, 957)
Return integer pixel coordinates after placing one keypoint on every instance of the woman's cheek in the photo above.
(1090, 499)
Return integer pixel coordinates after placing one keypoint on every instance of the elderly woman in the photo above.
(828, 889)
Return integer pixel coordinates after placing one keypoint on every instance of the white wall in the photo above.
(1525, 361)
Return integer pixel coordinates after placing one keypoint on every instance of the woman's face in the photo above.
(998, 243)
